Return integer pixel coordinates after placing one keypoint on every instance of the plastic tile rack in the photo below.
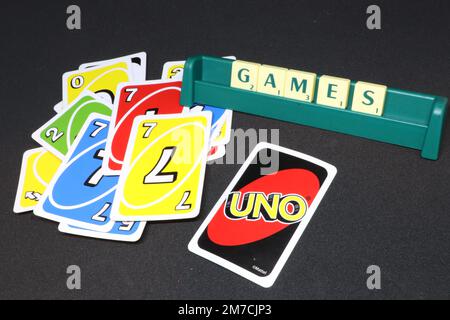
(410, 119)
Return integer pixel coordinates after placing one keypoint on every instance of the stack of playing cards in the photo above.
(120, 151)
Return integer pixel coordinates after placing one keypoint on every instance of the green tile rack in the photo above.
(410, 119)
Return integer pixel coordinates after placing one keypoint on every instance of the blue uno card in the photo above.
(121, 231)
(79, 194)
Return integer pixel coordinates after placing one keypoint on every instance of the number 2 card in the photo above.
(164, 167)
(58, 134)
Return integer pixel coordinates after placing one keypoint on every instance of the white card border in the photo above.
(36, 135)
(67, 74)
(115, 212)
(137, 76)
(134, 237)
(112, 127)
(17, 207)
(269, 280)
(39, 210)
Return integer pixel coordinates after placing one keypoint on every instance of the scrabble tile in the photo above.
(244, 75)
(369, 98)
(300, 85)
(333, 91)
(271, 80)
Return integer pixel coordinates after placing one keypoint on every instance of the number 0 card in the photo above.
(164, 167)
(102, 80)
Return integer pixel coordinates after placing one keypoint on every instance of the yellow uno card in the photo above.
(38, 168)
(164, 167)
(102, 80)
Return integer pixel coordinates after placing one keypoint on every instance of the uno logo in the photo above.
(247, 216)
(288, 208)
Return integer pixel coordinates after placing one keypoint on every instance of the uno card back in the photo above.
(257, 222)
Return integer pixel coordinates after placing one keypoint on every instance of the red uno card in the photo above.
(136, 99)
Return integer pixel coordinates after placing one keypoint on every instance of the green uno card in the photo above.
(59, 132)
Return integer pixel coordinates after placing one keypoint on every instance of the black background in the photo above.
(387, 205)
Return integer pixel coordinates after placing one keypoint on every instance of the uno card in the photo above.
(130, 231)
(135, 99)
(257, 222)
(58, 134)
(221, 119)
(79, 194)
(59, 107)
(216, 152)
(138, 62)
(173, 70)
(164, 168)
(223, 129)
(220, 123)
(101, 80)
(38, 168)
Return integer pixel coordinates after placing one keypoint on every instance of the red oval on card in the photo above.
(136, 100)
(233, 232)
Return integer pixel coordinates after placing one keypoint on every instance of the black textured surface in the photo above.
(387, 205)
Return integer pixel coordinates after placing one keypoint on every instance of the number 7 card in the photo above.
(58, 134)
(136, 99)
(79, 194)
(164, 168)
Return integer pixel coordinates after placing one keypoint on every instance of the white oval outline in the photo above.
(62, 207)
(126, 173)
(69, 125)
(34, 168)
(116, 127)
(95, 79)
(105, 73)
